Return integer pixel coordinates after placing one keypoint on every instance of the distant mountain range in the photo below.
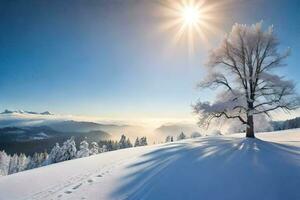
(82, 126)
(25, 112)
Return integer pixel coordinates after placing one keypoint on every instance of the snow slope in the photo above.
(220, 167)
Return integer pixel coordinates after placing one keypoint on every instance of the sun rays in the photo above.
(191, 21)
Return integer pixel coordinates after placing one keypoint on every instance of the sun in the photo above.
(191, 15)
(191, 21)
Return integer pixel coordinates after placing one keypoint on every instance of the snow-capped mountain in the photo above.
(6, 111)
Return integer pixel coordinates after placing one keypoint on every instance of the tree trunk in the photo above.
(250, 127)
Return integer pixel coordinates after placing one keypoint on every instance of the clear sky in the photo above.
(110, 58)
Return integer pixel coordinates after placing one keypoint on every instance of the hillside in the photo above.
(220, 167)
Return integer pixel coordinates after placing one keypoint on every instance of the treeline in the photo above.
(182, 136)
(10, 164)
(287, 124)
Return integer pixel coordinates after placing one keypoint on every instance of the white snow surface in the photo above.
(215, 167)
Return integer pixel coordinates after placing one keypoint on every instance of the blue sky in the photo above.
(108, 59)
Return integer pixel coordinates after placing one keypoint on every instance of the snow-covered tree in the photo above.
(38, 160)
(83, 149)
(137, 142)
(68, 150)
(112, 145)
(23, 161)
(243, 65)
(168, 139)
(143, 141)
(54, 155)
(103, 149)
(123, 142)
(181, 136)
(128, 143)
(43, 158)
(4, 163)
(13, 164)
(94, 148)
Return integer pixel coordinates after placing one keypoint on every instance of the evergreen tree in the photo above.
(83, 150)
(123, 142)
(13, 164)
(128, 143)
(4, 163)
(22, 162)
(181, 136)
(94, 148)
(143, 141)
(54, 155)
(137, 142)
(68, 150)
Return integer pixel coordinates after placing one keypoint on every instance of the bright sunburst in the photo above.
(191, 15)
(192, 20)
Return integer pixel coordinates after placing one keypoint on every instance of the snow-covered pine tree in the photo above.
(54, 155)
(33, 161)
(22, 162)
(68, 150)
(94, 148)
(38, 160)
(181, 136)
(128, 143)
(13, 164)
(137, 142)
(44, 158)
(4, 163)
(110, 145)
(83, 149)
(143, 141)
(123, 142)
(168, 139)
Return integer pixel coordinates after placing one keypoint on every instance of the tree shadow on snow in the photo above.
(214, 168)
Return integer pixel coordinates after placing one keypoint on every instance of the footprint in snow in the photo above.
(68, 192)
(90, 181)
(77, 186)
